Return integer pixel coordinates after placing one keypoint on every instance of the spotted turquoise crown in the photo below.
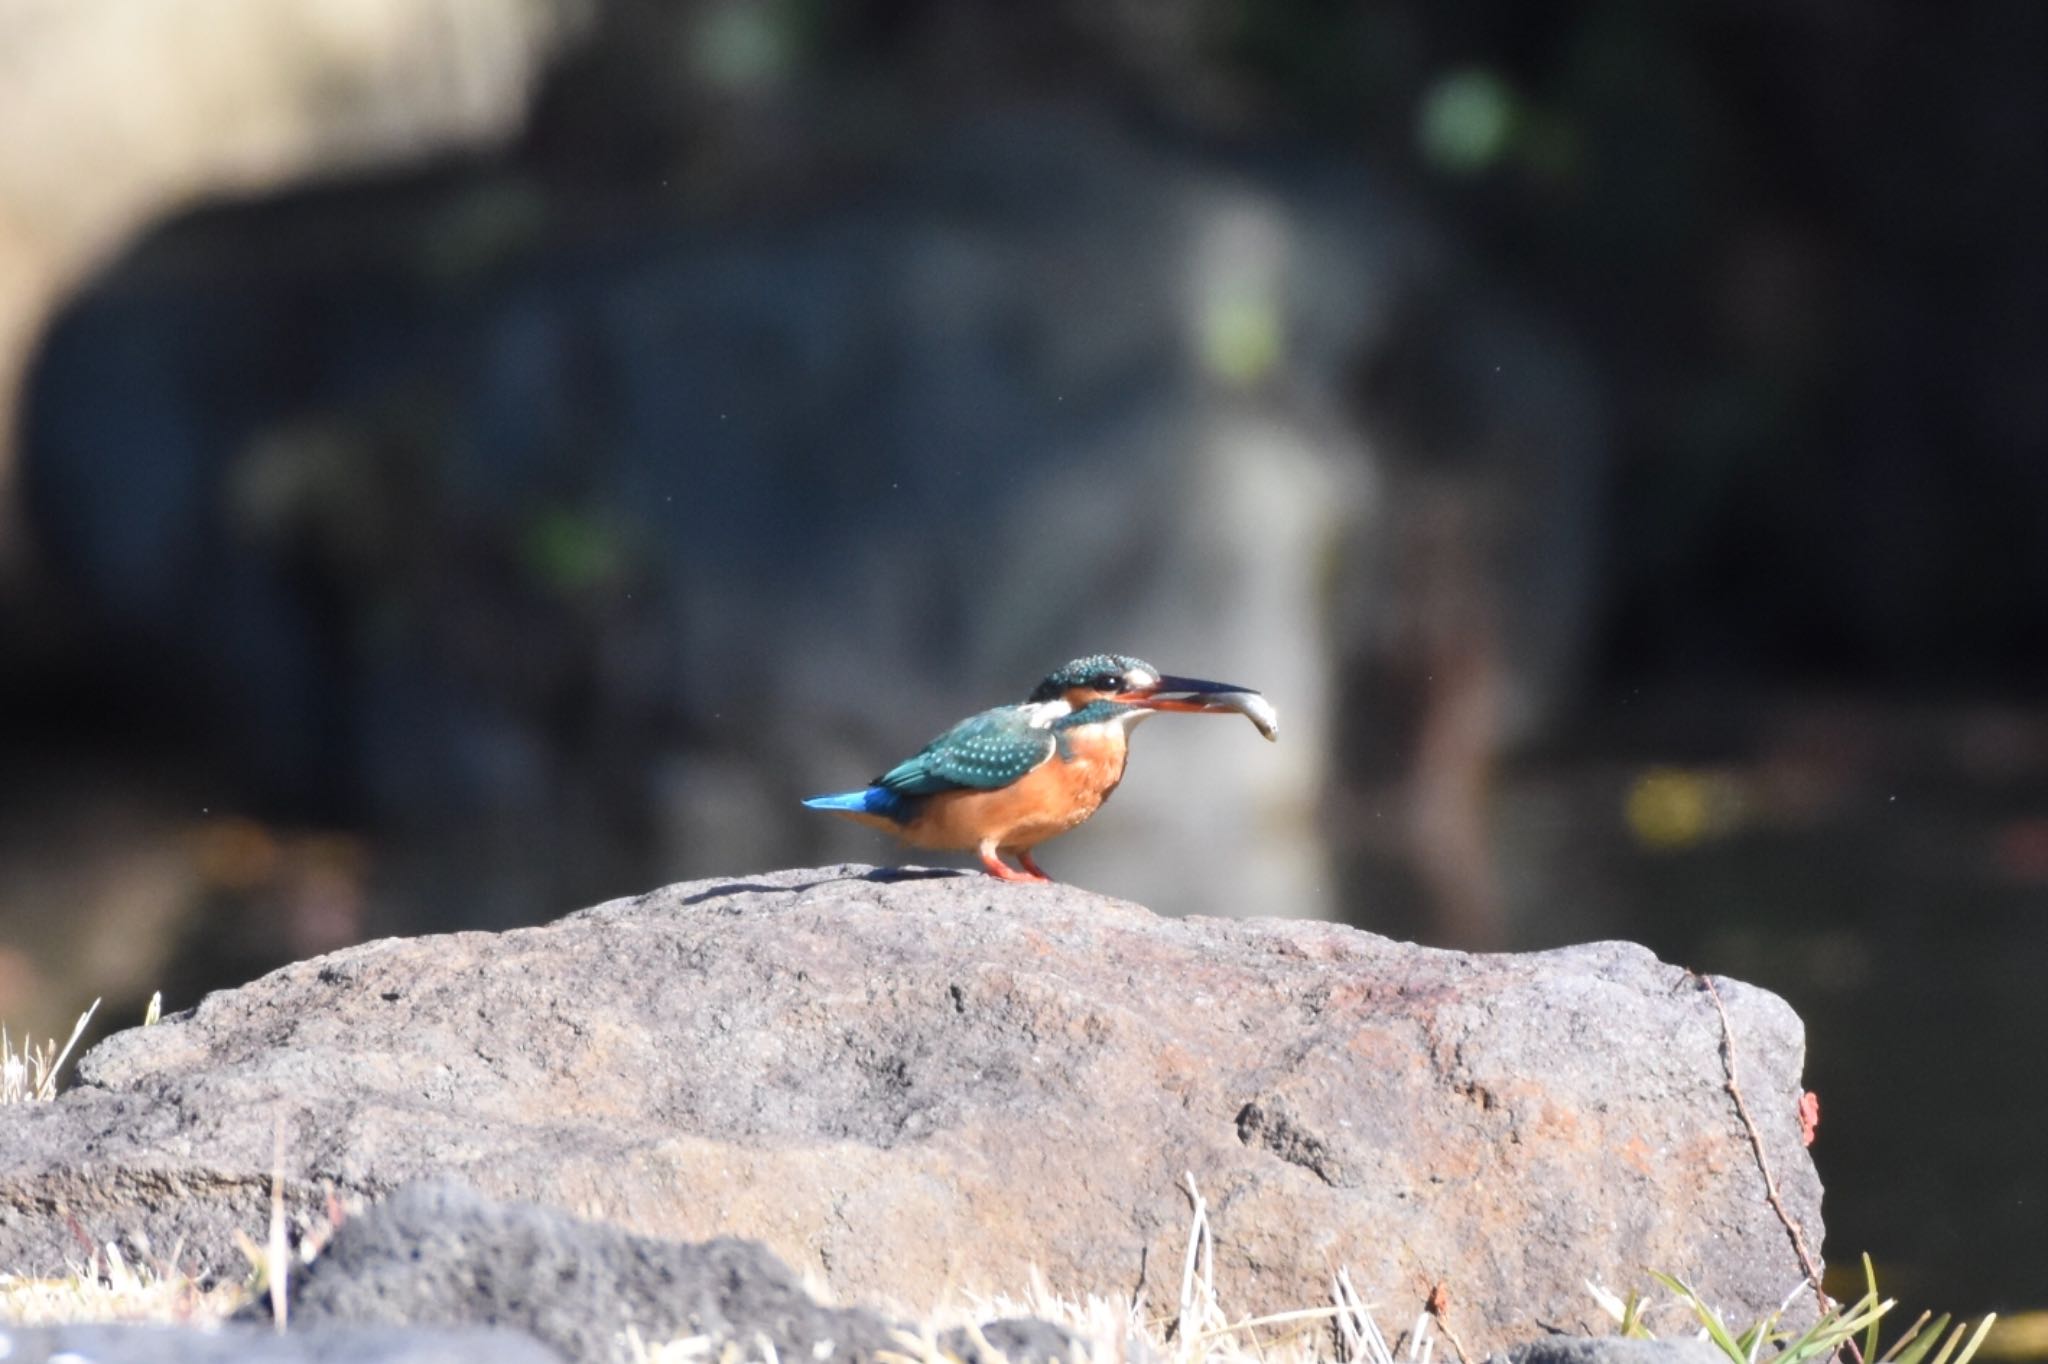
(1083, 671)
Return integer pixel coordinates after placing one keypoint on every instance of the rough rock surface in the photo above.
(911, 1084)
(260, 1345)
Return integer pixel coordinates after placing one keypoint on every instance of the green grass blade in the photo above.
(1977, 1338)
(1750, 1340)
(1833, 1330)
(1923, 1341)
(1716, 1331)
(1903, 1341)
(1948, 1346)
(1823, 1337)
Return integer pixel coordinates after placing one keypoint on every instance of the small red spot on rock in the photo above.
(1809, 1117)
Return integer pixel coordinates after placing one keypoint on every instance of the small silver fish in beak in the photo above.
(1193, 694)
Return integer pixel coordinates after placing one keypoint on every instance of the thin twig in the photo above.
(1763, 1161)
(1439, 1308)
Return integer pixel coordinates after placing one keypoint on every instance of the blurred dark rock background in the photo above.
(469, 458)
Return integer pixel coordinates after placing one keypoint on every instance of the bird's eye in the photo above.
(1107, 682)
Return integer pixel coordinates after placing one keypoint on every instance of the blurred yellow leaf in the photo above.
(1673, 807)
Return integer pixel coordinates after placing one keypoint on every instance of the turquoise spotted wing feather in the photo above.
(982, 752)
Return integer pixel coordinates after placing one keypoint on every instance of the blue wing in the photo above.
(984, 752)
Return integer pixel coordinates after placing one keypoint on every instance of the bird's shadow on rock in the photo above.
(875, 876)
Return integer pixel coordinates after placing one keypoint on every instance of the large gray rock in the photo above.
(910, 1085)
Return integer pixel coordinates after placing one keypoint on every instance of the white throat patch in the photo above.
(1133, 716)
(1041, 714)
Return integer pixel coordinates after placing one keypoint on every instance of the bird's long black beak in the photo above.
(1190, 693)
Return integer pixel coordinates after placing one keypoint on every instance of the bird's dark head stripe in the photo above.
(1077, 674)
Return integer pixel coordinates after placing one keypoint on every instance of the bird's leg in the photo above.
(1003, 870)
(1024, 856)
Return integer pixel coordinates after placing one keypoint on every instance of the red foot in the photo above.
(999, 868)
(1033, 867)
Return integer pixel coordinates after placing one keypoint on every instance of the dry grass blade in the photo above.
(1195, 1331)
(129, 1293)
(277, 1252)
(30, 1075)
(1198, 1271)
(1270, 1319)
(46, 1088)
(1350, 1335)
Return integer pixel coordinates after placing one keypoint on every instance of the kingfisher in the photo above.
(1010, 778)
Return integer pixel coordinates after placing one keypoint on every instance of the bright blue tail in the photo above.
(875, 800)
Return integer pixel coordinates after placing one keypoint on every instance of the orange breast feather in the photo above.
(1047, 801)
